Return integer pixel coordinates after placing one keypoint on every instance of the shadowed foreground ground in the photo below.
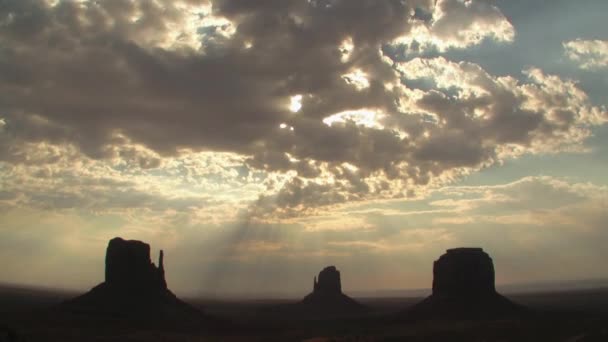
(29, 315)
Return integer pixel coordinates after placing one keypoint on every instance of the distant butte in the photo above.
(463, 287)
(327, 297)
(133, 286)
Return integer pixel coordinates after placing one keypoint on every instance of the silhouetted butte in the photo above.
(327, 297)
(463, 287)
(133, 286)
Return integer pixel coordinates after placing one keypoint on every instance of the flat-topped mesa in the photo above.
(463, 288)
(329, 282)
(128, 266)
(463, 272)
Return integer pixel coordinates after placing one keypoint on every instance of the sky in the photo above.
(256, 142)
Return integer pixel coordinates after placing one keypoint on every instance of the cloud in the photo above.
(591, 54)
(525, 225)
(145, 87)
(257, 141)
(197, 187)
(526, 231)
(529, 193)
(536, 216)
(457, 24)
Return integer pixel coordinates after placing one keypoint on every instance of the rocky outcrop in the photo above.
(463, 287)
(128, 266)
(329, 282)
(463, 272)
(134, 286)
(327, 297)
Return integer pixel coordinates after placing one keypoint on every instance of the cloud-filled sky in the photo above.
(258, 141)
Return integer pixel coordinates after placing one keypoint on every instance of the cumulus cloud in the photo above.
(198, 187)
(462, 120)
(591, 54)
(299, 91)
(457, 24)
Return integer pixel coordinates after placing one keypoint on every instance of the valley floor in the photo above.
(572, 316)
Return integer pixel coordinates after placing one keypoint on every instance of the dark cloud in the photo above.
(176, 75)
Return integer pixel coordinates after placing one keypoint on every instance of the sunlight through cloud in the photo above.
(296, 103)
(357, 78)
(362, 117)
(346, 49)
